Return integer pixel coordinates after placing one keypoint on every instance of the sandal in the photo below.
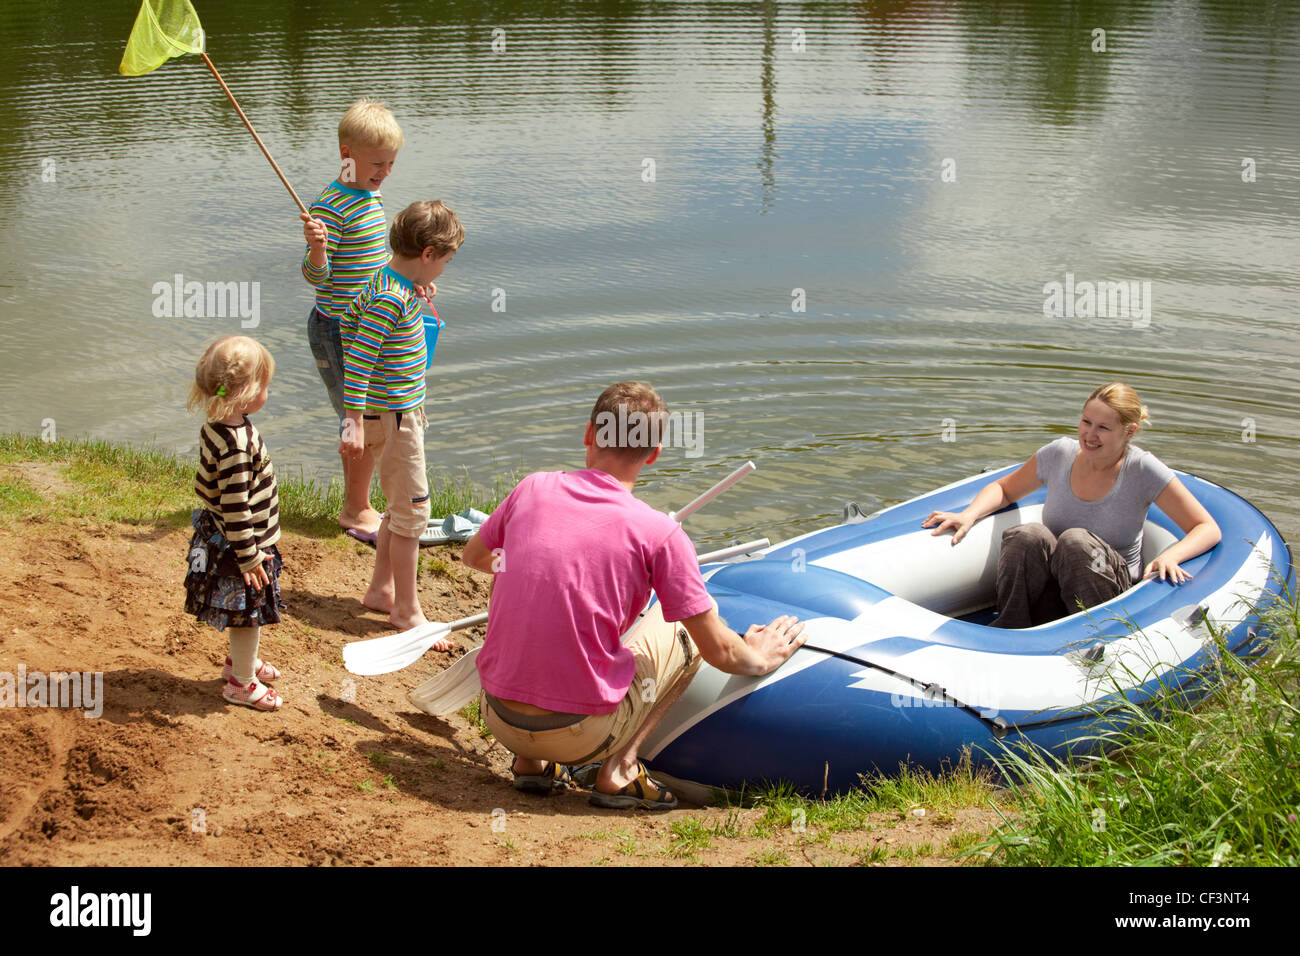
(264, 672)
(255, 695)
(553, 777)
(642, 793)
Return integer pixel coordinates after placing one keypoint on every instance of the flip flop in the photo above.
(433, 534)
(453, 529)
(365, 537)
(642, 793)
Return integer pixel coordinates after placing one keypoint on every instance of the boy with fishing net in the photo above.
(345, 247)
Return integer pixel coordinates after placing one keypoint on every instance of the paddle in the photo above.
(447, 692)
(382, 655)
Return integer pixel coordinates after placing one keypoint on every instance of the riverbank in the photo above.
(162, 771)
(92, 542)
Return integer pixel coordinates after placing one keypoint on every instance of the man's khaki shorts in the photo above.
(664, 655)
(396, 439)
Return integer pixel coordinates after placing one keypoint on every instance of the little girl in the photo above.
(234, 564)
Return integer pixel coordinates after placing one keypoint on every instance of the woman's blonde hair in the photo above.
(230, 375)
(1124, 401)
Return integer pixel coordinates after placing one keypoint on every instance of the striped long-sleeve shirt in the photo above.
(384, 352)
(354, 219)
(236, 482)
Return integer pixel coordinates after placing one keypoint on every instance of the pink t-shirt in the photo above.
(576, 556)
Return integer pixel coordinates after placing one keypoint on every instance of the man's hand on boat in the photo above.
(763, 649)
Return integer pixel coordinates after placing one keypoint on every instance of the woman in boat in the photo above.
(1089, 547)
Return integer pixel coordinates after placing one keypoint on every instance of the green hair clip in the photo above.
(221, 391)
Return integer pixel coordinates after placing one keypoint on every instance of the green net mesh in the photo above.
(163, 29)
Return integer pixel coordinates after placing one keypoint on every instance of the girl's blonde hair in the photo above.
(1124, 401)
(229, 376)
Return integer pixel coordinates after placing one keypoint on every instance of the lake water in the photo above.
(824, 229)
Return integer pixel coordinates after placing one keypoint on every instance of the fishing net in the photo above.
(163, 29)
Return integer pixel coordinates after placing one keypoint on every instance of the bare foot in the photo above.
(407, 621)
(367, 520)
(378, 600)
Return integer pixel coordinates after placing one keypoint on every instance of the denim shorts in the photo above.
(327, 348)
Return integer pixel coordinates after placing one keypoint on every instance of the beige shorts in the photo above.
(398, 447)
(664, 655)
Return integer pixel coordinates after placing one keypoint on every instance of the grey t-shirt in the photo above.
(1117, 517)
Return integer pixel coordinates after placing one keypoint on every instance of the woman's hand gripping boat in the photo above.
(900, 665)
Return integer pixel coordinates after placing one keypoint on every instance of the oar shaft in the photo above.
(470, 621)
(719, 488)
(735, 549)
(265, 152)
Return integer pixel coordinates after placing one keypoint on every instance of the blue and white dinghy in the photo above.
(899, 668)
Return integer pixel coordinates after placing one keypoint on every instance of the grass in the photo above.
(912, 788)
(688, 838)
(1214, 786)
(112, 482)
(470, 712)
(18, 498)
(769, 857)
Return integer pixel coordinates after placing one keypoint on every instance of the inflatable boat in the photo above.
(901, 665)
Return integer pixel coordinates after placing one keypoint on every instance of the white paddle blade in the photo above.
(383, 655)
(449, 691)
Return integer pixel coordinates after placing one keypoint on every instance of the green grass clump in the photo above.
(18, 499)
(1214, 786)
(961, 786)
(688, 838)
(112, 482)
(471, 713)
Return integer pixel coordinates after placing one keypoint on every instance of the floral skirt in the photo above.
(215, 592)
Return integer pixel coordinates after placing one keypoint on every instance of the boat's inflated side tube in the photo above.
(807, 586)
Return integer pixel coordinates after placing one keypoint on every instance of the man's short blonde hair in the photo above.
(369, 123)
(424, 224)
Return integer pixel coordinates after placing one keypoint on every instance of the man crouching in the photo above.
(573, 557)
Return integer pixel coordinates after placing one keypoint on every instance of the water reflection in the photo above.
(777, 169)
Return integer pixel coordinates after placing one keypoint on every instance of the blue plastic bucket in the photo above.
(432, 326)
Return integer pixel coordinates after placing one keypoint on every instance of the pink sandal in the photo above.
(256, 695)
(264, 672)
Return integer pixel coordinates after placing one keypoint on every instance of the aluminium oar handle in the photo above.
(719, 488)
(470, 621)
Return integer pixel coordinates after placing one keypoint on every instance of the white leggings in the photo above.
(243, 652)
